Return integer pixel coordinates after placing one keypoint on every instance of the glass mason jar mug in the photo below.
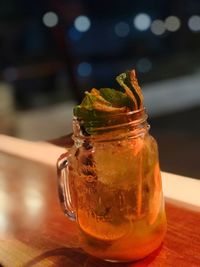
(110, 183)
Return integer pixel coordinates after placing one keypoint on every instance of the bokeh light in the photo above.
(82, 23)
(50, 19)
(144, 65)
(158, 27)
(194, 23)
(74, 35)
(172, 23)
(84, 69)
(142, 22)
(122, 29)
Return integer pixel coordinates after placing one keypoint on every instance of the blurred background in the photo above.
(51, 51)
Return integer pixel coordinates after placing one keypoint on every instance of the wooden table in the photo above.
(34, 231)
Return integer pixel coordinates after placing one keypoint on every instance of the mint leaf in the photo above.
(129, 82)
(116, 98)
(98, 104)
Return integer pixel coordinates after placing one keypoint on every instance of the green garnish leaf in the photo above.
(97, 104)
(129, 83)
(116, 98)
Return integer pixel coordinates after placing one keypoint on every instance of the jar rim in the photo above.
(116, 115)
(129, 120)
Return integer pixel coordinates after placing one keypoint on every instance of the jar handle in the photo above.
(63, 187)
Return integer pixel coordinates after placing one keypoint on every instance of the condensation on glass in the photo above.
(110, 184)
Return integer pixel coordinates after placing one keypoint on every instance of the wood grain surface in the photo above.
(34, 231)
